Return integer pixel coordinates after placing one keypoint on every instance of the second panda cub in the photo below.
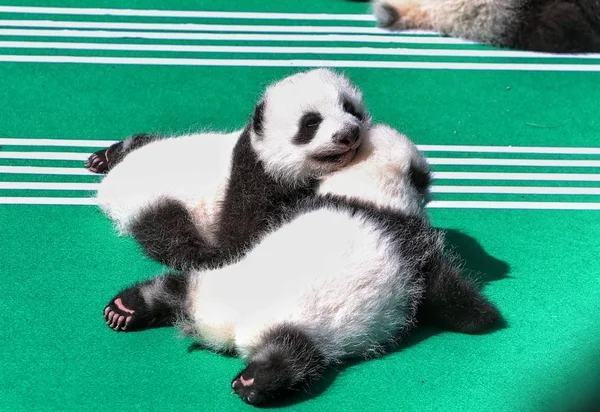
(198, 200)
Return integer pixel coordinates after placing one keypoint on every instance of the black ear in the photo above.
(257, 118)
(421, 179)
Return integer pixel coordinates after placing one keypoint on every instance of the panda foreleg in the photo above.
(167, 233)
(285, 360)
(453, 303)
(151, 304)
(104, 160)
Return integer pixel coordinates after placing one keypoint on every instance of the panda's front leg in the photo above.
(154, 303)
(285, 360)
(104, 160)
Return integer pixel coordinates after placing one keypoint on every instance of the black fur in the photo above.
(104, 160)
(349, 107)
(307, 128)
(561, 26)
(453, 303)
(258, 119)
(420, 179)
(285, 360)
(159, 306)
(253, 200)
(167, 233)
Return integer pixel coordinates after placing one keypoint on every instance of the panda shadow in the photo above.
(477, 264)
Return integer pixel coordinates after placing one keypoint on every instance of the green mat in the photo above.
(514, 139)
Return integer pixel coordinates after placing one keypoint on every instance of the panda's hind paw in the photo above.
(118, 316)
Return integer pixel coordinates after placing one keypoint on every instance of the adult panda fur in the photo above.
(338, 278)
(559, 26)
(198, 200)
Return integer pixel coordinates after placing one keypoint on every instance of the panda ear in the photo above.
(258, 118)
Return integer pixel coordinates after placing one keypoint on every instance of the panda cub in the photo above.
(183, 199)
(337, 278)
(557, 26)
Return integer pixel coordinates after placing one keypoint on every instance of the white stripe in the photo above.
(393, 38)
(434, 204)
(443, 204)
(34, 170)
(529, 190)
(44, 155)
(303, 63)
(509, 149)
(196, 27)
(55, 142)
(47, 186)
(434, 189)
(573, 177)
(182, 13)
(47, 201)
(25, 141)
(513, 162)
(376, 51)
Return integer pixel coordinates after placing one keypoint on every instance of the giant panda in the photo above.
(198, 200)
(341, 276)
(559, 26)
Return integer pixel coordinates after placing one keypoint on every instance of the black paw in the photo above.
(99, 161)
(118, 316)
(260, 383)
(127, 312)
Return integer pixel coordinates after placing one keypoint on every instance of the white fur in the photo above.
(193, 169)
(345, 287)
(379, 173)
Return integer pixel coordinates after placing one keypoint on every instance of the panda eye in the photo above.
(349, 108)
(311, 120)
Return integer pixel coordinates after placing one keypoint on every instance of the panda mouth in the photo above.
(336, 157)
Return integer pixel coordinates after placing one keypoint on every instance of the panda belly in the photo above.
(193, 169)
(347, 287)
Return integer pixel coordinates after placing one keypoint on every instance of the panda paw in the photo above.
(260, 383)
(128, 311)
(246, 390)
(98, 162)
(403, 15)
(118, 316)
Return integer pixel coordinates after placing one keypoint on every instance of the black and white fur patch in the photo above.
(196, 200)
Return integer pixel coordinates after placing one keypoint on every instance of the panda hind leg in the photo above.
(104, 160)
(154, 303)
(454, 303)
(285, 360)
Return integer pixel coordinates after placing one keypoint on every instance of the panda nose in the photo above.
(347, 137)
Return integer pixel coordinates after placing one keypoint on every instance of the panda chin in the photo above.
(335, 160)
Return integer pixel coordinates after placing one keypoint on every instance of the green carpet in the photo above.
(526, 215)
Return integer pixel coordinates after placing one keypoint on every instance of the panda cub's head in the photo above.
(308, 125)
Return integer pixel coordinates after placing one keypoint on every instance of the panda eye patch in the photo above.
(351, 109)
(307, 128)
(311, 120)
